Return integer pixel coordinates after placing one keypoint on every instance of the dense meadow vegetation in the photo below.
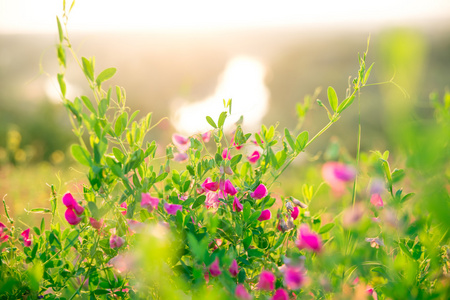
(212, 219)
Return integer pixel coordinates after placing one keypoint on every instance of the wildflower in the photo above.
(280, 294)
(227, 170)
(26, 237)
(206, 136)
(234, 269)
(376, 200)
(124, 205)
(295, 212)
(352, 215)
(254, 157)
(71, 203)
(214, 268)
(3, 236)
(96, 224)
(148, 202)
(371, 291)
(229, 188)
(336, 175)
(298, 203)
(266, 281)
(210, 185)
(212, 200)
(377, 186)
(293, 277)
(375, 242)
(241, 293)
(180, 157)
(116, 241)
(260, 192)
(181, 142)
(308, 239)
(135, 226)
(226, 154)
(172, 209)
(237, 206)
(215, 244)
(265, 215)
(71, 217)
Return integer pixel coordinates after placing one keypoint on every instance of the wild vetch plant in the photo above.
(203, 222)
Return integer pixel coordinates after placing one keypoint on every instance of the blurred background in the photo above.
(179, 59)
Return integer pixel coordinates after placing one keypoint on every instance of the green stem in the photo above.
(358, 150)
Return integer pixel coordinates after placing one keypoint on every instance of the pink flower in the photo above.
(241, 293)
(234, 268)
(26, 237)
(3, 236)
(180, 157)
(235, 145)
(71, 217)
(371, 291)
(280, 294)
(254, 157)
(148, 202)
(124, 205)
(172, 208)
(96, 224)
(206, 136)
(226, 154)
(336, 175)
(260, 192)
(293, 277)
(214, 268)
(229, 188)
(70, 202)
(265, 215)
(135, 226)
(266, 281)
(376, 200)
(210, 185)
(212, 200)
(308, 239)
(295, 212)
(116, 241)
(181, 142)
(237, 206)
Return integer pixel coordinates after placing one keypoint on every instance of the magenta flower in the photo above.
(308, 239)
(212, 200)
(376, 200)
(116, 241)
(172, 208)
(26, 237)
(265, 215)
(71, 217)
(237, 206)
(210, 185)
(148, 202)
(241, 293)
(181, 142)
(3, 236)
(229, 188)
(254, 157)
(234, 268)
(280, 294)
(214, 268)
(71, 203)
(206, 136)
(96, 224)
(234, 144)
(260, 192)
(135, 226)
(336, 175)
(295, 212)
(124, 205)
(180, 157)
(226, 154)
(266, 281)
(293, 277)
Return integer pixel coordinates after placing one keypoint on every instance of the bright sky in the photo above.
(33, 16)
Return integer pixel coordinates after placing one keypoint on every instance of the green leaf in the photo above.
(102, 107)
(118, 154)
(279, 242)
(62, 84)
(81, 155)
(367, 74)
(302, 140)
(255, 215)
(88, 104)
(246, 213)
(88, 69)
(121, 123)
(60, 31)
(93, 209)
(61, 55)
(222, 118)
(332, 98)
(289, 139)
(405, 250)
(255, 253)
(200, 200)
(105, 75)
(235, 160)
(211, 121)
(346, 103)
(325, 228)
